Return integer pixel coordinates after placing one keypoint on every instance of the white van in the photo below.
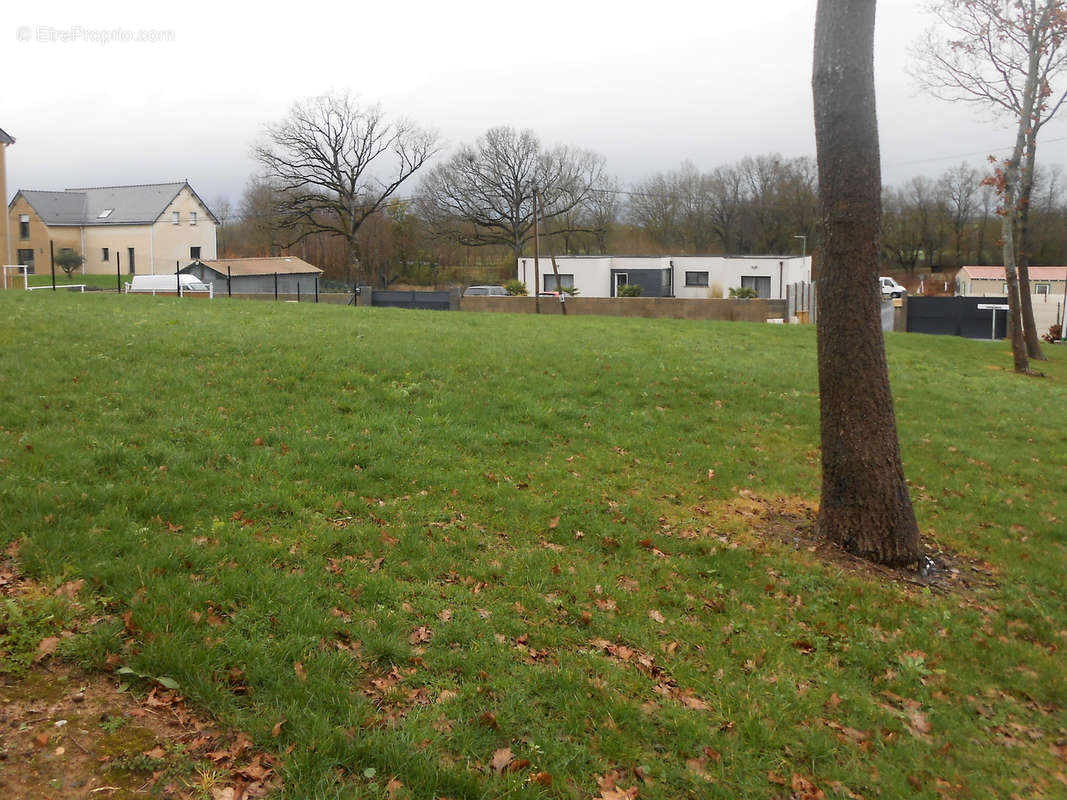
(166, 284)
(890, 288)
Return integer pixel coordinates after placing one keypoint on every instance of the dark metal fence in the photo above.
(970, 317)
(434, 301)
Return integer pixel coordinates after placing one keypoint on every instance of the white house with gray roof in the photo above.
(143, 229)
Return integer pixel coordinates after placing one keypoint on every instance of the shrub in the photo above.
(629, 290)
(1055, 333)
(743, 292)
(68, 261)
(515, 288)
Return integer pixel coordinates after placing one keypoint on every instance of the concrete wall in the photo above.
(667, 307)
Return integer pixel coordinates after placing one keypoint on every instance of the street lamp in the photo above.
(803, 250)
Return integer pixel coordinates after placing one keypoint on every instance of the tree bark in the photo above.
(865, 504)
(1026, 303)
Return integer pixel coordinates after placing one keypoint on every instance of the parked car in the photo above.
(890, 288)
(150, 284)
(484, 291)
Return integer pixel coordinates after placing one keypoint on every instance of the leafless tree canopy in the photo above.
(483, 195)
(332, 163)
(761, 204)
(981, 52)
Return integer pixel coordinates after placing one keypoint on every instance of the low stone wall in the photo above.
(664, 307)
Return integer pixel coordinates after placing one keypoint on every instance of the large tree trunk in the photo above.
(1030, 333)
(865, 504)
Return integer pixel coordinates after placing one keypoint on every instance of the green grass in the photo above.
(425, 537)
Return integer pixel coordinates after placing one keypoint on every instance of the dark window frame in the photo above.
(690, 281)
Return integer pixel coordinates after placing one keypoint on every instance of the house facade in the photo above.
(5, 230)
(145, 229)
(291, 275)
(668, 276)
(1047, 287)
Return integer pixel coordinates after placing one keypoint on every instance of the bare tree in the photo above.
(959, 188)
(654, 206)
(483, 195)
(334, 163)
(1003, 55)
(865, 506)
(223, 211)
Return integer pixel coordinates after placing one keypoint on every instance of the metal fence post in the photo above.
(275, 285)
(229, 282)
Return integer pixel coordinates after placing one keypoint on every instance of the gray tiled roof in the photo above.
(5, 138)
(130, 205)
(57, 208)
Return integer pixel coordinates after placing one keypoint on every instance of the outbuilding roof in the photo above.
(139, 204)
(282, 265)
(997, 273)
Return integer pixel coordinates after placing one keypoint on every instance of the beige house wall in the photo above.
(39, 235)
(171, 243)
(6, 253)
(118, 239)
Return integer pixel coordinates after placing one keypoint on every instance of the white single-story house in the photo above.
(668, 276)
(1047, 287)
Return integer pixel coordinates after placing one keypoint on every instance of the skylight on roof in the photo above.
(105, 213)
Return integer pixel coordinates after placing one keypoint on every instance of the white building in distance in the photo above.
(668, 276)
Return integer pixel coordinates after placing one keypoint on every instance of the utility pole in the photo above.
(537, 256)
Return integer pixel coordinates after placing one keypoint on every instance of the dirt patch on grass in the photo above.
(65, 733)
(791, 521)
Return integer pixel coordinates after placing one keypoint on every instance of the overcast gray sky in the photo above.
(647, 85)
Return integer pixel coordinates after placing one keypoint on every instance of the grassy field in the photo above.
(484, 555)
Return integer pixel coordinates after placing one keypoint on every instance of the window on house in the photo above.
(192, 217)
(24, 226)
(104, 254)
(194, 252)
(565, 281)
(696, 279)
(26, 259)
(1042, 288)
(66, 250)
(761, 283)
(176, 217)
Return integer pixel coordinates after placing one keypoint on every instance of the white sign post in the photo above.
(994, 307)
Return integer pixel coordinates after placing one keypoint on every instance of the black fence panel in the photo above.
(434, 301)
(970, 317)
